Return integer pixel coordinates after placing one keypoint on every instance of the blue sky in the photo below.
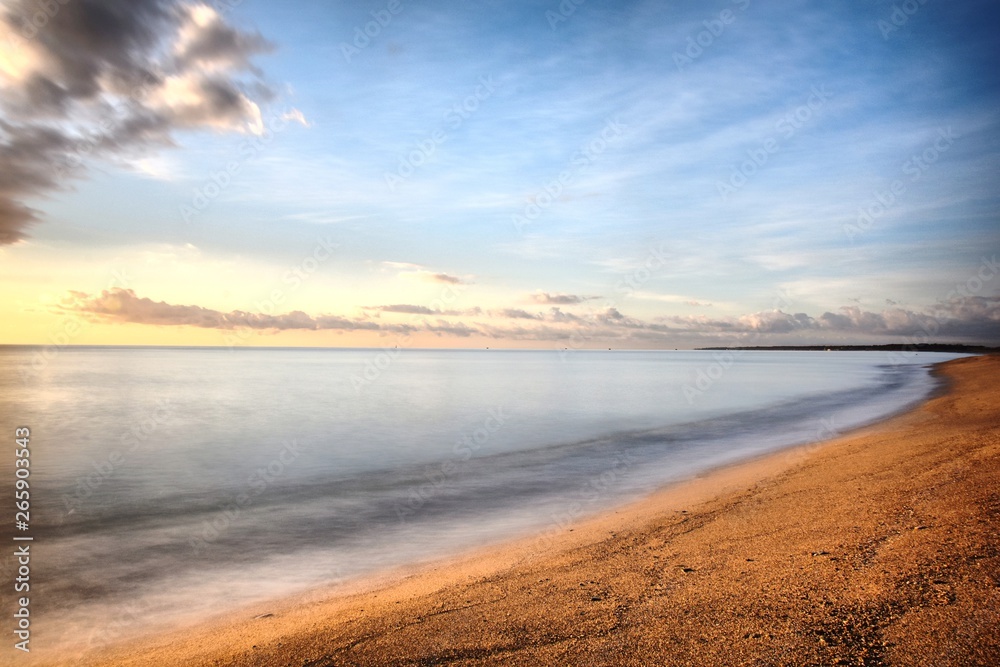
(628, 174)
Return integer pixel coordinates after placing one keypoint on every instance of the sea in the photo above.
(170, 485)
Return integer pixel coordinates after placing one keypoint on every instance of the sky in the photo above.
(510, 174)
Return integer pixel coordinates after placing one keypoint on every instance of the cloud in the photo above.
(968, 318)
(408, 269)
(402, 266)
(964, 318)
(123, 306)
(560, 299)
(13, 218)
(412, 309)
(668, 298)
(515, 314)
(205, 41)
(974, 316)
(112, 79)
(405, 308)
(557, 315)
(459, 329)
(297, 116)
(445, 278)
(158, 167)
(766, 322)
(973, 308)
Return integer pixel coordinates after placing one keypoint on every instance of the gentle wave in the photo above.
(244, 492)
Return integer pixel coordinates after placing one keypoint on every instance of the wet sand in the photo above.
(878, 548)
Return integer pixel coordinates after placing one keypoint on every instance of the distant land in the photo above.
(892, 347)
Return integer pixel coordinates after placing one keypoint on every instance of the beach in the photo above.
(878, 547)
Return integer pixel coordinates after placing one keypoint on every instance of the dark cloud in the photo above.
(111, 79)
(979, 309)
(14, 217)
(970, 317)
(561, 299)
(89, 45)
(28, 155)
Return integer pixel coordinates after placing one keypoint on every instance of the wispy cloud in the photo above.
(406, 309)
(410, 270)
(413, 309)
(668, 298)
(445, 278)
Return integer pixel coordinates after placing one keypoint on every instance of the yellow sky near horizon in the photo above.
(35, 291)
(42, 288)
(61, 330)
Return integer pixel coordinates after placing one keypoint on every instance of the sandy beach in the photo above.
(880, 547)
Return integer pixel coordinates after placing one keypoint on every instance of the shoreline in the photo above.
(350, 624)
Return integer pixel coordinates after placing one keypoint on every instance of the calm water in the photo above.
(168, 484)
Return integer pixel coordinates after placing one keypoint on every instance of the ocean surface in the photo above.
(170, 484)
